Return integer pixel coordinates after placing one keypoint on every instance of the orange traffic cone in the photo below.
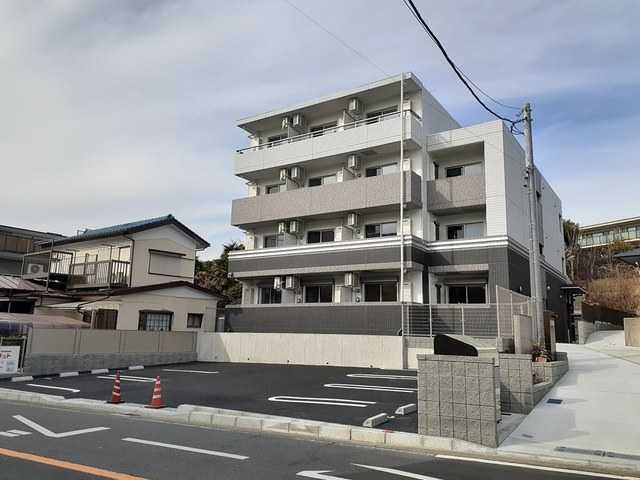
(156, 398)
(116, 396)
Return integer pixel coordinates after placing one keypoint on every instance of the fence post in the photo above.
(462, 314)
(497, 313)
(430, 319)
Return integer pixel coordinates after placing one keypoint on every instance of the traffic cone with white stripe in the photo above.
(116, 396)
(156, 398)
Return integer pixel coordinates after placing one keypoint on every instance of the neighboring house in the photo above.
(15, 242)
(600, 234)
(138, 275)
(322, 214)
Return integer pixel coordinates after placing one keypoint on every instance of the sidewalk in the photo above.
(612, 344)
(599, 411)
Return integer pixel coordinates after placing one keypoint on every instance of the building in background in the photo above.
(15, 242)
(626, 230)
(322, 223)
(133, 276)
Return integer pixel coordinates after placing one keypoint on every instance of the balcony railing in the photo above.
(103, 273)
(326, 131)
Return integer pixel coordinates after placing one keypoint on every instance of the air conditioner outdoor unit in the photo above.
(290, 282)
(353, 162)
(351, 279)
(295, 227)
(353, 220)
(283, 227)
(355, 107)
(284, 174)
(299, 122)
(286, 122)
(35, 269)
(296, 173)
(277, 283)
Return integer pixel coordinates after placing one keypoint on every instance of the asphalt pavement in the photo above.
(42, 442)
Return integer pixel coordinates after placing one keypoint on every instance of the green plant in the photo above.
(540, 353)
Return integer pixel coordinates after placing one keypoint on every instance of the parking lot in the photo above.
(331, 394)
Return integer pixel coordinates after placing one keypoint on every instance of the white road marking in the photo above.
(19, 432)
(536, 467)
(377, 388)
(342, 402)
(128, 378)
(388, 377)
(185, 371)
(399, 473)
(187, 449)
(48, 433)
(7, 434)
(72, 390)
(319, 475)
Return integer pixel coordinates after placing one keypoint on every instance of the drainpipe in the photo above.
(402, 319)
(133, 247)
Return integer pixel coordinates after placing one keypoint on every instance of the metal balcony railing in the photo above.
(104, 273)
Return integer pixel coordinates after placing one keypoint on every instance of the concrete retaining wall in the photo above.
(303, 349)
(632, 332)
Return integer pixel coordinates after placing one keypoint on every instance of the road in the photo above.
(42, 442)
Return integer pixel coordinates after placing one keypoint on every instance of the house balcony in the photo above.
(334, 198)
(352, 137)
(450, 195)
(99, 274)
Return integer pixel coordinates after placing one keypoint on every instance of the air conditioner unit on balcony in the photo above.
(291, 282)
(353, 162)
(277, 283)
(286, 122)
(295, 227)
(299, 122)
(351, 279)
(296, 173)
(284, 174)
(353, 220)
(35, 269)
(283, 227)
(355, 106)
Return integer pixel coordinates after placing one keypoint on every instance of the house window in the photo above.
(273, 189)
(455, 232)
(155, 321)
(318, 293)
(382, 170)
(436, 171)
(276, 140)
(105, 319)
(453, 172)
(438, 293)
(381, 292)
(320, 236)
(467, 294)
(270, 295)
(468, 230)
(319, 130)
(436, 225)
(317, 181)
(374, 117)
(466, 170)
(272, 241)
(375, 230)
(194, 320)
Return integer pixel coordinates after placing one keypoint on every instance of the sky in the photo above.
(115, 111)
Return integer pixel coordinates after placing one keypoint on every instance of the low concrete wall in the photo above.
(303, 349)
(632, 332)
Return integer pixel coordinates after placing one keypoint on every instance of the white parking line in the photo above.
(187, 449)
(341, 402)
(185, 371)
(72, 390)
(128, 378)
(376, 388)
(388, 377)
(18, 432)
(9, 435)
(399, 473)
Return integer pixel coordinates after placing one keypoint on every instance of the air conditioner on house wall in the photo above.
(295, 227)
(35, 269)
(353, 162)
(354, 106)
(353, 220)
(283, 227)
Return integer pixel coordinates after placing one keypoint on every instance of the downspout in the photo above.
(133, 247)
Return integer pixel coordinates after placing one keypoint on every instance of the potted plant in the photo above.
(540, 354)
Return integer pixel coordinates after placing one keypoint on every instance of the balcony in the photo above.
(352, 195)
(449, 195)
(360, 135)
(104, 273)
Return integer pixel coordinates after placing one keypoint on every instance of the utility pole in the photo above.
(535, 273)
(401, 225)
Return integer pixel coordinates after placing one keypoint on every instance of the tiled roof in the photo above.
(7, 282)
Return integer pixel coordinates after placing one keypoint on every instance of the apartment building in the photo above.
(15, 242)
(626, 230)
(132, 276)
(322, 213)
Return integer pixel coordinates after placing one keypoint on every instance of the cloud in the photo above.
(116, 110)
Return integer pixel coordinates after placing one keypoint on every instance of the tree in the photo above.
(214, 275)
(571, 246)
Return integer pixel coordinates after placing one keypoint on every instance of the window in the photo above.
(194, 320)
(380, 230)
(319, 130)
(153, 321)
(468, 230)
(455, 232)
(317, 181)
(437, 229)
(272, 241)
(320, 236)
(273, 189)
(381, 292)
(467, 294)
(105, 319)
(11, 243)
(436, 171)
(466, 170)
(318, 293)
(382, 170)
(374, 117)
(276, 140)
(270, 295)
(454, 172)
(438, 293)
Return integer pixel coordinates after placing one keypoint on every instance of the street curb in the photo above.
(271, 424)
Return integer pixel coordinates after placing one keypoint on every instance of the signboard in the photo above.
(9, 358)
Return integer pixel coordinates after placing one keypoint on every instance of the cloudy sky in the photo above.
(112, 111)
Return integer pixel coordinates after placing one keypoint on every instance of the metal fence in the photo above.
(483, 320)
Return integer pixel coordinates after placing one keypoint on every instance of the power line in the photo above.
(461, 75)
(337, 38)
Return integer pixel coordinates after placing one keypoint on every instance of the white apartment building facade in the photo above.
(321, 215)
